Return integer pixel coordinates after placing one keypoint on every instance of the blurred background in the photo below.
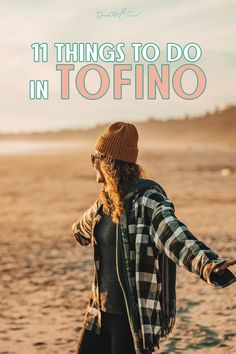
(209, 23)
(47, 181)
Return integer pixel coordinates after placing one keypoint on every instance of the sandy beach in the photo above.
(46, 275)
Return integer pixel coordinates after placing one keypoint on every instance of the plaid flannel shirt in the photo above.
(148, 229)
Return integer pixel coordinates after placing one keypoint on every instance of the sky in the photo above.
(209, 23)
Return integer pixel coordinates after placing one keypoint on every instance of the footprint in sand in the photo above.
(39, 344)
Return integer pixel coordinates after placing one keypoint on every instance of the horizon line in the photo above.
(216, 110)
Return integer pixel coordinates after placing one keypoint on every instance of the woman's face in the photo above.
(99, 175)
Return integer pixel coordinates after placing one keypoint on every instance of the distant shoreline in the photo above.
(230, 110)
(216, 129)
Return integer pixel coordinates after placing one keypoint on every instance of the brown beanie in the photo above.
(119, 141)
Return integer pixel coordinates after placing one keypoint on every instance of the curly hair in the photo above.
(117, 175)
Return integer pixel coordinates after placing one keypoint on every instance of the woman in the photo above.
(137, 242)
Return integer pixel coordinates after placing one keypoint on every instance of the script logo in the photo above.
(124, 13)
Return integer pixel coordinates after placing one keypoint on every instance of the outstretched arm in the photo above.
(82, 228)
(174, 238)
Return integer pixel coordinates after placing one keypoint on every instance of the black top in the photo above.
(111, 295)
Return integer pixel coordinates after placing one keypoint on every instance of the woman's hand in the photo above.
(224, 265)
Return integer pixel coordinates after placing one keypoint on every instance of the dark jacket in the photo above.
(151, 241)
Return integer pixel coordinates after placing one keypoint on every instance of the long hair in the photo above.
(117, 175)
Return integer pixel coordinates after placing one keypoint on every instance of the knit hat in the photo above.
(119, 141)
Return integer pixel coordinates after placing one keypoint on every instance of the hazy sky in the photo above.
(210, 23)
